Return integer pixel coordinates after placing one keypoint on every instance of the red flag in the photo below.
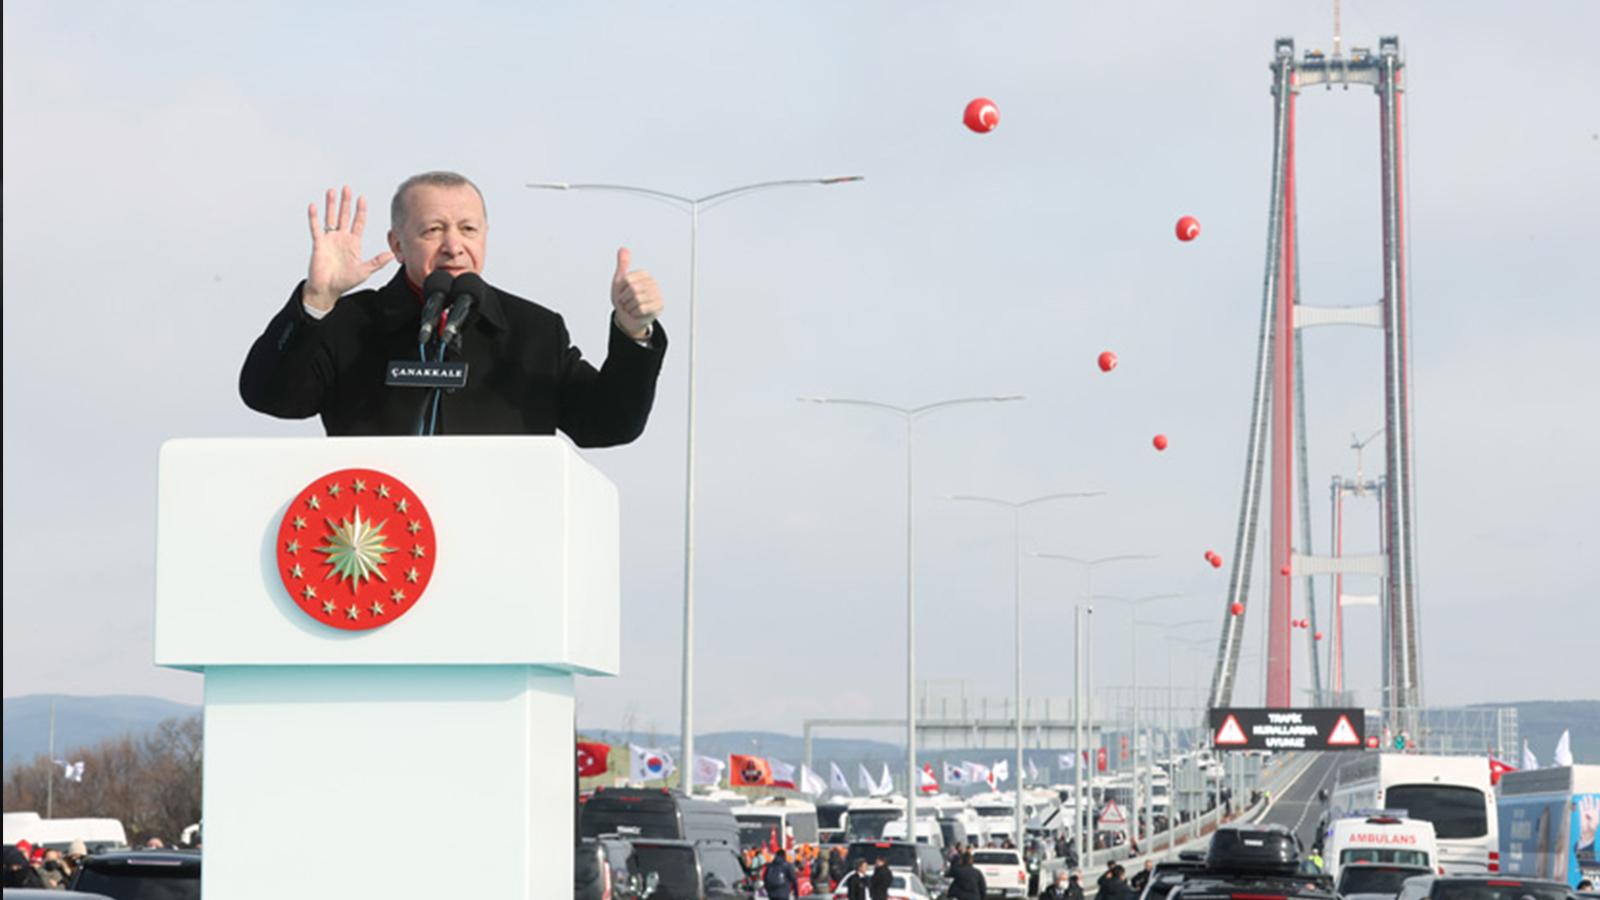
(748, 771)
(1100, 759)
(1498, 768)
(772, 842)
(594, 758)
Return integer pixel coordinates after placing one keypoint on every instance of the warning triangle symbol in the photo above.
(1343, 734)
(1113, 814)
(1231, 733)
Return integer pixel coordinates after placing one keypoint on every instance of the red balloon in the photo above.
(1160, 441)
(1108, 361)
(1188, 228)
(1283, 571)
(1318, 635)
(982, 115)
(1214, 558)
(1237, 608)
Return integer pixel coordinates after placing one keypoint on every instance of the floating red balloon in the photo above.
(1214, 558)
(1283, 571)
(1108, 361)
(1160, 441)
(1237, 608)
(982, 115)
(1188, 227)
(1318, 635)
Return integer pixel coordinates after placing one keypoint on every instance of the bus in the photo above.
(785, 819)
(1547, 819)
(1452, 792)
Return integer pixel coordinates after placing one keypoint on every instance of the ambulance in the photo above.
(1382, 837)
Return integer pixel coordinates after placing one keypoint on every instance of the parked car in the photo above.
(905, 886)
(1003, 871)
(603, 869)
(141, 875)
(1168, 875)
(1380, 881)
(922, 860)
(687, 871)
(1482, 887)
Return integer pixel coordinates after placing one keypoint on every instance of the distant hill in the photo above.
(80, 721)
(1540, 722)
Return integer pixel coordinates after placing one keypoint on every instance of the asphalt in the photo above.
(1298, 806)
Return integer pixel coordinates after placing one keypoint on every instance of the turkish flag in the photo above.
(1100, 759)
(1498, 768)
(748, 771)
(594, 758)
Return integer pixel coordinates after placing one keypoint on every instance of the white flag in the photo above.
(1067, 761)
(1529, 761)
(649, 763)
(837, 781)
(885, 784)
(811, 783)
(1033, 771)
(782, 774)
(1563, 755)
(864, 780)
(708, 770)
(980, 772)
(77, 771)
(1002, 771)
(955, 774)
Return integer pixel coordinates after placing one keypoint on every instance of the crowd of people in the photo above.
(27, 865)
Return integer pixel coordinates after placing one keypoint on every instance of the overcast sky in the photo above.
(159, 157)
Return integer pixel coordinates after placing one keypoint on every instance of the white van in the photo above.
(928, 831)
(1450, 792)
(789, 820)
(98, 834)
(1360, 840)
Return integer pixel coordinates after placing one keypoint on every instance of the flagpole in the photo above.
(50, 788)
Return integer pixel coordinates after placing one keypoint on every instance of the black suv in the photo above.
(141, 875)
(1253, 862)
(657, 868)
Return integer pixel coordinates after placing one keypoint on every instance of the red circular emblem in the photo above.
(356, 549)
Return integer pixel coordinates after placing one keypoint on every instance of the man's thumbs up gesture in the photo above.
(635, 298)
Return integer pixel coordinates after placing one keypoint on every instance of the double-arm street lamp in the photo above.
(1016, 507)
(1133, 632)
(694, 206)
(910, 414)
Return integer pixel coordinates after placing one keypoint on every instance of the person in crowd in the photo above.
(52, 872)
(966, 881)
(1143, 877)
(19, 872)
(1315, 859)
(882, 879)
(838, 867)
(325, 351)
(778, 879)
(1060, 889)
(1586, 885)
(1105, 877)
(1075, 885)
(1117, 887)
(858, 881)
(155, 843)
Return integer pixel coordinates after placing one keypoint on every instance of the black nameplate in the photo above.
(419, 374)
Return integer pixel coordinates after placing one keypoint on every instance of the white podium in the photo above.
(430, 752)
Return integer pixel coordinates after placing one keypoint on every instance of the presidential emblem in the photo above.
(355, 549)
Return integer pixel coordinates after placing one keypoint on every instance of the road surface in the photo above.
(1298, 807)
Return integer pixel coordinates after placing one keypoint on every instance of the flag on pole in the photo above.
(782, 774)
(926, 783)
(980, 772)
(1066, 761)
(1002, 771)
(1529, 761)
(1497, 769)
(593, 758)
(864, 780)
(885, 784)
(1563, 755)
(837, 781)
(708, 770)
(811, 784)
(70, 771)
(649, 763)
(748, 771)
(1033, 771)
(955, 774)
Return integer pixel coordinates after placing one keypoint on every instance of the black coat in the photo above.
(967, 883)
(880, 883)
(524, 375)
(1116, 889)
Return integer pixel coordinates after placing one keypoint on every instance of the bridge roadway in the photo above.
(1297, 806)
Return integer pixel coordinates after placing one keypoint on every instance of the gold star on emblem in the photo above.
(355, 550)
(411, 575)
(352, 612)
(327, 607)
(299, 522)
(377, 608)
(397, 595)
(414, 527)
(297, 572)
(418, 551)
(310, 593)
(313, 502)
(401, 504)
(383, 491)
(333, 489)
(292, 548)
(358, 486)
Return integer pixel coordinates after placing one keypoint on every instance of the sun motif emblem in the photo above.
(356, 549)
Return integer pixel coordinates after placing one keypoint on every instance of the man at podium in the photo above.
(332, 353)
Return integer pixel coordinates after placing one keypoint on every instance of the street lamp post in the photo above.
(693, 206)
(1150, 780)
(1137, 602)
(1086, 816)
(1188, 787)
(910, 414)
(1016, 507)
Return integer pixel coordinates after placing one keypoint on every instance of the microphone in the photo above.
(466, 294)
(434, 291)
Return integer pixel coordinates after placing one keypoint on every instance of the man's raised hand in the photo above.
(336, 261)
(635, 298)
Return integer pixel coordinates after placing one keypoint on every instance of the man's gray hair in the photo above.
(440, 178)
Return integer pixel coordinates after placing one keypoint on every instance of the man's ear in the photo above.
(394, 247)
